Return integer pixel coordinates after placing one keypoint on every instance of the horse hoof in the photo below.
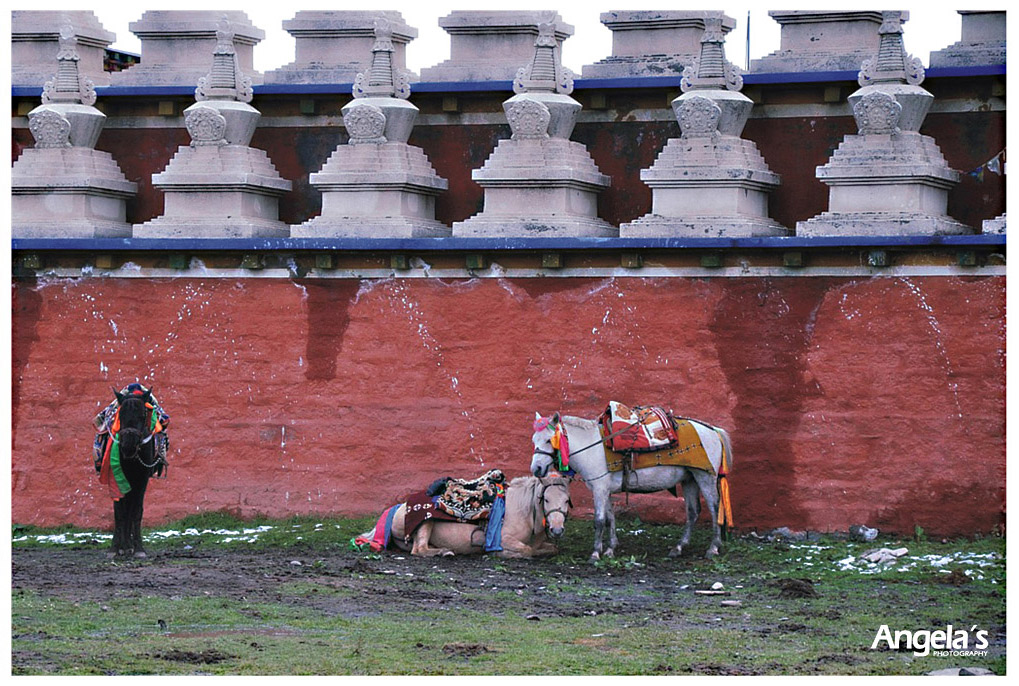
(676, 552)
(712, 552)
(594, 557)
(448, 553)
(609, 553)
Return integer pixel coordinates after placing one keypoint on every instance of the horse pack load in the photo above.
(476, 501)
(523, 518)
(650, 436)
(638, 429)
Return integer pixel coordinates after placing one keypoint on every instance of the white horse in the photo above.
(587, 458)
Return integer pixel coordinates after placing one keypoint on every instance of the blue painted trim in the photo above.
(507, 86)
(496, 244)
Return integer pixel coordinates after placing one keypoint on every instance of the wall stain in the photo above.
(536, 288)
(762, 332)
(26, 310)
(328, 311)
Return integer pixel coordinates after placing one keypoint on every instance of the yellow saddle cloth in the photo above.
(688, 452)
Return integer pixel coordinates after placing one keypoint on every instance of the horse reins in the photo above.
(586, 447)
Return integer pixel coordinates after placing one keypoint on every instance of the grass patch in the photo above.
(349, 612)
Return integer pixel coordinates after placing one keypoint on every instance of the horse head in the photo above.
(555, 503)
(135, 417)
(544, 455)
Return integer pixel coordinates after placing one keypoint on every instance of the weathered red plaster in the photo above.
(877, 401)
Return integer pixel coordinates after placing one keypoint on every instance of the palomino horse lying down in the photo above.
(534, 520)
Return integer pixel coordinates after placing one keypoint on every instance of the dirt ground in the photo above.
(397, 580)
(337, 582)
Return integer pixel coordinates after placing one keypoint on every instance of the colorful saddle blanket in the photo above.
(468, 500)
(422, 507)
(638, 429)
(650, 437)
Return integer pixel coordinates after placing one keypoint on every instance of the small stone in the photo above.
(717, 586)
(296, 563)
(731, 603)
(533, 618)
(860, 532)
(899, 552)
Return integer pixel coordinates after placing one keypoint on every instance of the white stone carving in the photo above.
(382, 78)
(365, 124)
(528, 119)
(877, 113)
(698, 118)
(206, 126)
(50, 130)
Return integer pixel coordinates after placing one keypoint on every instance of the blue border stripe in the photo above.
(495, 244)
(672, 81)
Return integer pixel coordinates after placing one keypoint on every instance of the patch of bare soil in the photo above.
(204, 657)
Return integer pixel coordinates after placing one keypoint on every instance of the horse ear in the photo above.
(555, 418)
(537, 416)
(120, 398)
(148, 396)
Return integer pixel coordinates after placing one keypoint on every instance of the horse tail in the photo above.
(725, 466)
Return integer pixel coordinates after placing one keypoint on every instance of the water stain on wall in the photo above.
(328, 311)
(26, 309)
(762, 334)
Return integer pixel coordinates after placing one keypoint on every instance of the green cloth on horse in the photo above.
(112, 472)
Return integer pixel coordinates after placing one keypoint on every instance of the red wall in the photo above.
(849, 400)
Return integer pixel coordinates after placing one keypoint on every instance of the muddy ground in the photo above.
(338, 582)
(396, 582)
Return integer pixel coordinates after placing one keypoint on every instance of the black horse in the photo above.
(139, 460)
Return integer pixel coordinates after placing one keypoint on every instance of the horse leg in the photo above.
(602, 512)
(119, 529)
(136, 519)
(421, 547)
(692, 498)
(610, 515)
(708, 484)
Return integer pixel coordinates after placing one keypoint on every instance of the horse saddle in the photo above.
(650, 437)
(638, 429)
(468, 500)
(455, 500)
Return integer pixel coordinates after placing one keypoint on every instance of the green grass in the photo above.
(664, 629)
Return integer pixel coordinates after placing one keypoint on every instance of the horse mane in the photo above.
(580, 422)
(520, 495)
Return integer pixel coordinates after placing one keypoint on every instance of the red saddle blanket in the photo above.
(421, 508)
(638, 429)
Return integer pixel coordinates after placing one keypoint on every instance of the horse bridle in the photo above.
(552, 454)
(569, 503)
(136, 455)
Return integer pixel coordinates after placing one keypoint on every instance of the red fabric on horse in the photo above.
(638, 429)
(420, 508)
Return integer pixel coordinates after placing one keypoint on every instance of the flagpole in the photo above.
(747, 66)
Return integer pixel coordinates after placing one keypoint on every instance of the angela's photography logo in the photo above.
(950, 641)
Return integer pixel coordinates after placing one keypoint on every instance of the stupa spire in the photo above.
(68, 86)
(225, 81)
